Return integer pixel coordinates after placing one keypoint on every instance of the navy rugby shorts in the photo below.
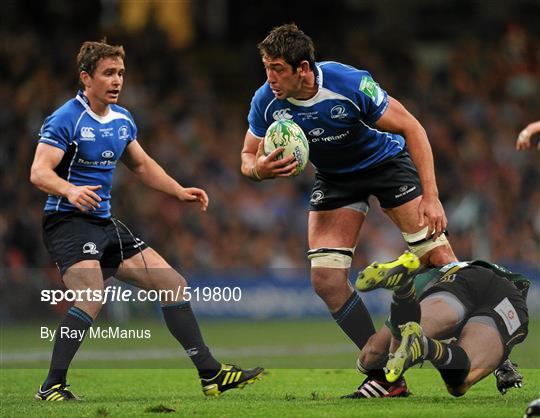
(71, 237)
(393, 182)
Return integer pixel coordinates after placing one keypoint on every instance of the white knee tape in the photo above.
(418, 243)
(336, 258)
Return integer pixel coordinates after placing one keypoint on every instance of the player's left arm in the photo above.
(153, 175)
(398, 120)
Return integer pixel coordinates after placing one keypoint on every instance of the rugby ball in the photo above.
(287, 134)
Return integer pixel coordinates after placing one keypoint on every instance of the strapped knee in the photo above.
(419, 245)
(336, 258)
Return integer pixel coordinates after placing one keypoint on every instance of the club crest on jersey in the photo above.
(123, 132)
(338, 112)
(87, 134)
(282, 114)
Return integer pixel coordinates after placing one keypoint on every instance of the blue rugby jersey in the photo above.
(339, 121)
(92, 144)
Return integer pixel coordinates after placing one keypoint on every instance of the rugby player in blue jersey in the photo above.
(79, 147)
(362, 142)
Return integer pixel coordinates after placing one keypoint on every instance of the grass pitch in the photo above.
(280, 393)
(309, 365)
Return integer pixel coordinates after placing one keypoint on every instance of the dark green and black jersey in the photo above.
(426, 279)
(474, 272)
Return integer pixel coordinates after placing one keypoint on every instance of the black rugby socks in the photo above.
(450, 360)
(183, 326)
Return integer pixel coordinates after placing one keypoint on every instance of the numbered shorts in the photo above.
(71, 237)
(483, 293)
(393, 182)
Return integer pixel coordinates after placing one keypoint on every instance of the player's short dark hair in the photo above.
(290, 43)
(91, 52)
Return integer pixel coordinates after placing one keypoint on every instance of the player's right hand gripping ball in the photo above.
(287, 134)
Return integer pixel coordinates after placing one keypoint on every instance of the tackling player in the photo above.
(481, 304)
(362, 142)
(79, 147)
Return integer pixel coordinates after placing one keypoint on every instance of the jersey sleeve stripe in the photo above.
(256, 136)
(268, 107)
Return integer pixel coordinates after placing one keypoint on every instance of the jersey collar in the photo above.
(81, 98)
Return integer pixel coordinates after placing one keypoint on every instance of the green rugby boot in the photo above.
(411, 351)
(391, 275)
(229, 377)
(55, 393)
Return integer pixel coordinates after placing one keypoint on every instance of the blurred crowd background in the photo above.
(468, 70)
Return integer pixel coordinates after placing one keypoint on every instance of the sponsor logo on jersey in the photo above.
(316, 132)
(338, 112)
(508, 313)
(107, 154)
(102, 163)
(282, 114)
(87, 134)
(123, 132)
(308, 115)
(316, 197)
(371, 89)
(89, 248)
(330, 138)
(106, 132)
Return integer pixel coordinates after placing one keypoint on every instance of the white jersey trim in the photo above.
(382, 132)
(266, 110)
(256, 136)
(79, 120)
(322, 95)
(109, 117)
